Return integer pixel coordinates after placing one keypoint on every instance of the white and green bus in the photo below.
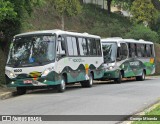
(53, 58)
(124, 58)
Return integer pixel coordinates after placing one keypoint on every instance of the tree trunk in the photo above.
(2, 67)
(156, 4)
(81, 2)
(109, 6)
(62, 23)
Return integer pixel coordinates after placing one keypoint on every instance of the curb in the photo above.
(148, 109)
(152, 77)
(7, 95)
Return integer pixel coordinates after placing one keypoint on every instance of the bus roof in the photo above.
(58, 32)
(120, 40)
(111, 39)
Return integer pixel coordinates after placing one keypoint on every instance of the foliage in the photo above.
(143, 11)
(68, 7)
(11, 16)
(141, 32)
(6, 10)
(125, 4)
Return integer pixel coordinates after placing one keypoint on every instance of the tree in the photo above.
(156, 4)
(123, 3)
(126, 4)
(11, 16)
(109, 6)
(67, 7)
(6, 10)
(143, 11)
(142, 32)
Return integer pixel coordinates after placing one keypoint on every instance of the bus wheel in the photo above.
(21, 90)
(119, 79)
(88, 83)
(142, 77)
(62, 86)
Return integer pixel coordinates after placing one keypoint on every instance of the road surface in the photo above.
(103, 98)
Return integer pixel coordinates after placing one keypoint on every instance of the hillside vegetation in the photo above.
(92, 20)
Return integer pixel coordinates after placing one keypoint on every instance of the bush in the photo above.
(141, 32)
(157, 49)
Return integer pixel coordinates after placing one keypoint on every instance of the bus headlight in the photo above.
(46, 72)
(110, 68)
(10, 74)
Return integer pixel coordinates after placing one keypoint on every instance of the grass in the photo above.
(155, 111)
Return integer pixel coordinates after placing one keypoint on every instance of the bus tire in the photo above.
(88, 83)
(83, 83)
(21, 90)
(142, 77)
(62, 86)
(119, 79)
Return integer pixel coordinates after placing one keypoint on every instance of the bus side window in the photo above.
(148, 50)
(139, 52)
(129, 47)
(132, 50)
(123, 51)
(92, 47)
(98, 47)
(152, 54)
(61, 49)
(83, 46)
(143, 52)
(118, 54)
(72, 46)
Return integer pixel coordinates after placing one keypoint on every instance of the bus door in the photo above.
(61, 56)
(122, 55)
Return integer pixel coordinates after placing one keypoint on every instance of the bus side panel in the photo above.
(135, 67)
(99, 72)
(78, 68)
(150, 66)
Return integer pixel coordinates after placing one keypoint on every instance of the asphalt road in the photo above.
(103, 98)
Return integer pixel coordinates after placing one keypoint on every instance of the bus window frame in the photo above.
(86, 38)
(145, 50)
(57, 47)
(127, 51)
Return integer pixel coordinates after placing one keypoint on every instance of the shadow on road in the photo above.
(77, 86)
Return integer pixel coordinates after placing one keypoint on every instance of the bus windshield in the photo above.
(31, 50)
(109, 52)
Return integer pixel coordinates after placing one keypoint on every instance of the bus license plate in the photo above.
(27, 81)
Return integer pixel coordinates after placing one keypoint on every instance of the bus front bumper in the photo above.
(30, 82)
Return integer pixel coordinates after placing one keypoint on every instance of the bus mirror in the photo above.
(61, 54)
(119, 45)
(119, 59)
